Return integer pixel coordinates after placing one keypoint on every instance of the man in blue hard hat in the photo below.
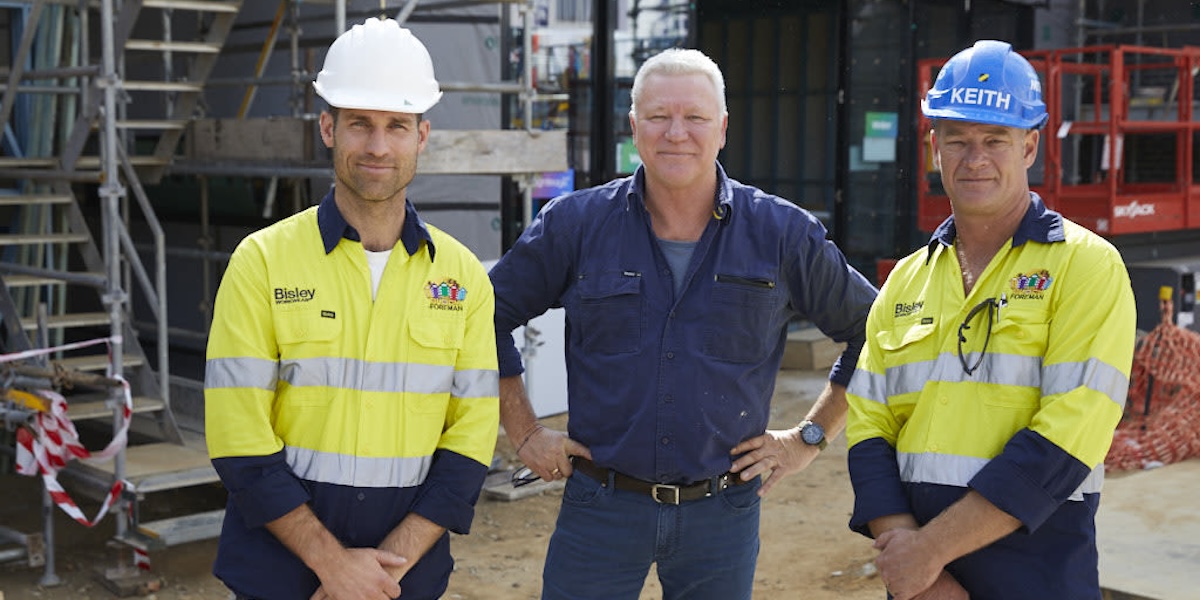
(995, 369)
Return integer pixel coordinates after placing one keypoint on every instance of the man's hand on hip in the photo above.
(547, 452)
(774, 455)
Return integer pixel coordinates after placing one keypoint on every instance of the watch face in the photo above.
(812, 433)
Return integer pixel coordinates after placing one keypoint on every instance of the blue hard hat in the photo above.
(987, 83)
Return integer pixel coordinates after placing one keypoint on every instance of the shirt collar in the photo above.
(1039, 224)
(722, 204)
(334, 227)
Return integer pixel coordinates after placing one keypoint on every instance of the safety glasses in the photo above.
(992, 306)
(523, 476)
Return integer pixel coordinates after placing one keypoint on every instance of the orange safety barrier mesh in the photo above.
(1161, 424)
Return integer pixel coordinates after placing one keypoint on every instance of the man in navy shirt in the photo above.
(678, 285)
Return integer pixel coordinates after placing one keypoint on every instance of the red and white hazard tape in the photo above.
(54, 441)
(24, 354)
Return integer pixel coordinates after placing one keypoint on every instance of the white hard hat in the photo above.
(378, 65)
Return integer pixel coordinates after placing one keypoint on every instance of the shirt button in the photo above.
(666, 441)
(670, 355)
(668, 398)
(362, 496)
(933, 448)
(944, 400)
(671, 315)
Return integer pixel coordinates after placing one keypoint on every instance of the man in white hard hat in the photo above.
(351, 386)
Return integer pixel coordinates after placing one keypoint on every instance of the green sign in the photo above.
(627, 157)
(882, 124)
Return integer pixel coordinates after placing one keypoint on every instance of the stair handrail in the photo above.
(156, 293)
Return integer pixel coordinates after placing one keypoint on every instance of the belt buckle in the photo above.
(662, 486)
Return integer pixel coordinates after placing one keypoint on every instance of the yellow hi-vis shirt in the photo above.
(366, 411)
(357, 392)
(1040, 406)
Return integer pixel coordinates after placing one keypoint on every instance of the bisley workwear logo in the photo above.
(292, 295)
(904, 310)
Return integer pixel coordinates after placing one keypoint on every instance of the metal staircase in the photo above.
(132, 107)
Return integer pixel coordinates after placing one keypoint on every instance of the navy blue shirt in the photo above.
(661, 386)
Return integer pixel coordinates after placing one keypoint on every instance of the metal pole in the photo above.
(110, 195)
(49, 577)
(339, 19)
(600, 128)
(527, 92)
(530, 86)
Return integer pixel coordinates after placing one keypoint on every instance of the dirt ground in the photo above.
(807, 550)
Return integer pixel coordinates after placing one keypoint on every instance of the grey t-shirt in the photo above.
(678, 255)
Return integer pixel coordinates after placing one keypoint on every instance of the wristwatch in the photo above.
(813, 434)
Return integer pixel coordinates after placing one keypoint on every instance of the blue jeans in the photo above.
(606, 540)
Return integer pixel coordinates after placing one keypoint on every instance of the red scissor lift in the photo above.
(1118, 153)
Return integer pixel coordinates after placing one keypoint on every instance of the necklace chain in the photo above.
(968, 277)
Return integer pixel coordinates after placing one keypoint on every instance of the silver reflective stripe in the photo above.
(949, 469)
(476, 383)
(910, 377)
(242, 372)
(358, 471)
(367, 376)
(1094, 374)
(868, 385)
(944, 469)
(1000, 369)
(1091, 485)
(1007, 369)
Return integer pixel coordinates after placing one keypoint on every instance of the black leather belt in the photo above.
(662, 493)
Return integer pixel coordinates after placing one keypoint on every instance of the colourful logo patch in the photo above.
(447, 295)
(1031, 285)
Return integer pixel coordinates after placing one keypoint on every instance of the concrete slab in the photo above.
(498, 487)
(1148, 533)
(809, 350)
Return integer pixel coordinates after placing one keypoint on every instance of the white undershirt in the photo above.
(376, 261)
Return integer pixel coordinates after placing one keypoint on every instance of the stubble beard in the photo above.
(373, 189)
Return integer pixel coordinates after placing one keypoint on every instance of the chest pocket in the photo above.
(309, 351)
(740, 326)
(905, 344)
(1020, 339)
(609, 313)
(437, 341)
(437, 334)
